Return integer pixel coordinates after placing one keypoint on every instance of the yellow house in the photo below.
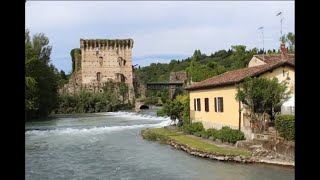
(213, 102)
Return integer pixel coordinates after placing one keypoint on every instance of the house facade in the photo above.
(213, 101)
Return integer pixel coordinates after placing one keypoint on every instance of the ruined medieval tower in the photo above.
(100, 60)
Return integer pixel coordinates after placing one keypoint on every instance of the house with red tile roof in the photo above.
(213, 102)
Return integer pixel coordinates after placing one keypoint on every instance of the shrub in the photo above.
(161, 112)
(212, 133)
(193, 128)
(152, 136)
(148, 135)
(198, 133)
(285, 126)
(226, 134)
(204, 134)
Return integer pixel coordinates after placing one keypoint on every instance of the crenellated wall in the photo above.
(102, 60)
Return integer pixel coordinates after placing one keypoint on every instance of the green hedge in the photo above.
(213, 133)
(193, 128)
(285, 126)
(226, 134)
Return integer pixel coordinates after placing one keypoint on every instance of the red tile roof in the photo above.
(270, 58)
(232, 77)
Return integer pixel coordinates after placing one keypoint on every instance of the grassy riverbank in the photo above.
(164, 135)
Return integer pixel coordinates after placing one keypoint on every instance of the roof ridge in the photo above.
(231, 77)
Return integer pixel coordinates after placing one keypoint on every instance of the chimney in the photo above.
(284, 51)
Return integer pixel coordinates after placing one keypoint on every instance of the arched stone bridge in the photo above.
(172, 86)
(139, 104)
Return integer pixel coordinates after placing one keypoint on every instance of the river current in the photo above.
(109, 146)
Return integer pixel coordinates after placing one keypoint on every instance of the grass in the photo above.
(196, 144)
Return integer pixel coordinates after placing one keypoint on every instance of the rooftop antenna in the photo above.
(261, 28)
(281, 19)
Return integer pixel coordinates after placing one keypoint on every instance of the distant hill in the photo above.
(199, 66)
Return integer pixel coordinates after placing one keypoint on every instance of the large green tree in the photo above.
(40, 77)
(260, 95)
(241, 57)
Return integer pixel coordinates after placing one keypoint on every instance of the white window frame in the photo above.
(196, 104)
(217, 104)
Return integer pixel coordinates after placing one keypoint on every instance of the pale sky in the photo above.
(161, 30)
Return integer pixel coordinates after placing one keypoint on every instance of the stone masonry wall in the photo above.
(103, 60)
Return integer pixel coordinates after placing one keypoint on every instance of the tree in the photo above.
(174, 110)
(177, 109)
(41, 80)
(289, 39)
(38, 48)
(196, 55)
(46, 87)
(260, 95)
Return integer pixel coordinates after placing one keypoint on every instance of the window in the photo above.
(206, 104)
(123, 78)
(98, 76)
(218, 104)
(197, 104)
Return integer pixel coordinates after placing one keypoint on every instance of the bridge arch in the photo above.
(144, 107)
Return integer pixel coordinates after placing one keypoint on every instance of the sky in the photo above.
(161, 30)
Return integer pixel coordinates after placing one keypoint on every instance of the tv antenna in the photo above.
(281, 19)
(261, 28)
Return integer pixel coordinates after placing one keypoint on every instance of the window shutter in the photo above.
(206, 104)
(199, 105)
(195, 105)
(215, 104)
(221, 104)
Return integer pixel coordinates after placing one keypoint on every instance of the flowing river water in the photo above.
(109, 146)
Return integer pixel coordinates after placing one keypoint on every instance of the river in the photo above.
(109, 146)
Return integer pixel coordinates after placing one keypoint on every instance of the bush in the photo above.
(193, 128)
(198, 133)
(161, 112)
(204, 134)
(226, 134)
(285, 126)
(152, 136)
(212, 133)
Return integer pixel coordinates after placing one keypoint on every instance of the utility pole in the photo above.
(261, 28)
(281, 19)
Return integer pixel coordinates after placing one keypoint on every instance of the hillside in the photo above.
(199, 66)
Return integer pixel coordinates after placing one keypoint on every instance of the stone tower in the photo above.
(100, 60)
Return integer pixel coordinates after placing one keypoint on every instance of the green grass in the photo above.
(196, 144)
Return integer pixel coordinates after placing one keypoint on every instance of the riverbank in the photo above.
(209, 149)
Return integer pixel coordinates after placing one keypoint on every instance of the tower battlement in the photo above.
(106, 43)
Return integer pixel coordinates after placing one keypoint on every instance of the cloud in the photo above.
(159, 28)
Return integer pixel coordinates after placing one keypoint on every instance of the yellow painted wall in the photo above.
(255, 62)
(230, 114)
(278, 73)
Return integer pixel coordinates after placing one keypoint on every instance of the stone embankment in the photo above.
(258, 153)
(210, 155)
